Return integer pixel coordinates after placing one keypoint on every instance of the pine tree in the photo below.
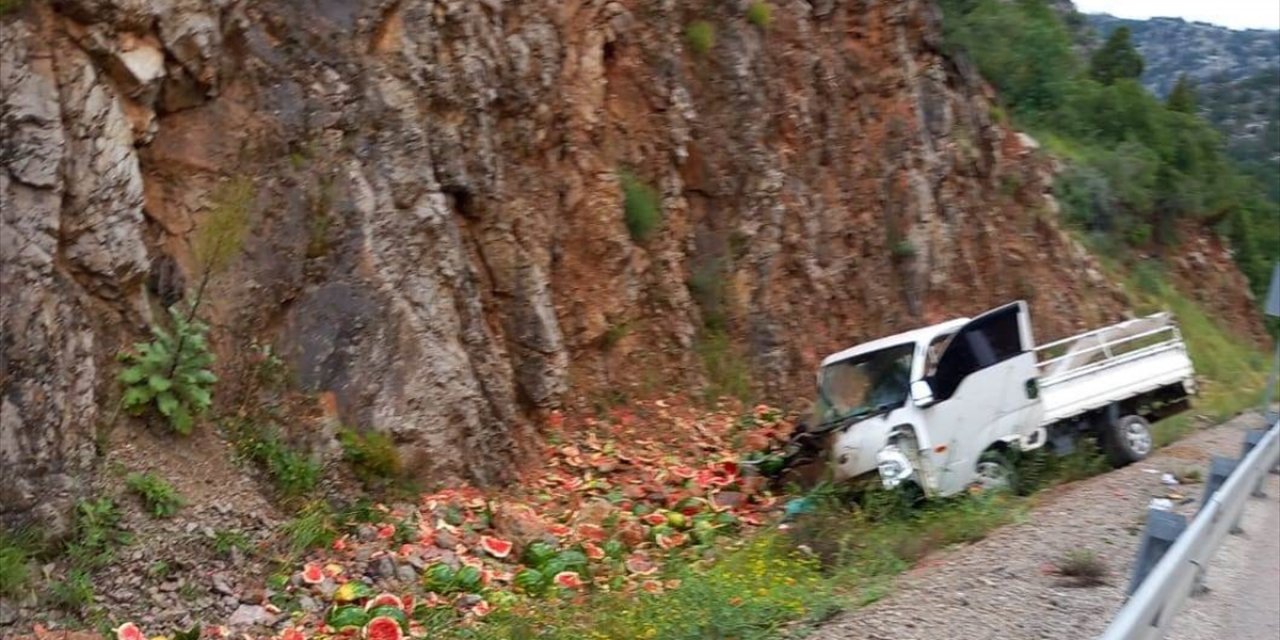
(1183, 96)
(1117, 59)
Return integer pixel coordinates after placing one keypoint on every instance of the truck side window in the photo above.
(986, 341)
(933, 352)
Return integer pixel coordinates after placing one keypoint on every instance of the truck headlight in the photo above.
(894, 466)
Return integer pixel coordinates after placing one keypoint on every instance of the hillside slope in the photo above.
(435, 229)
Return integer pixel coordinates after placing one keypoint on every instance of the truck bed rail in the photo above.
(1108, 346)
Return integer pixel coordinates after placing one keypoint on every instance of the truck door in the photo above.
(983, 390)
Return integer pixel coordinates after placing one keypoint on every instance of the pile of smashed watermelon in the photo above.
(613, 500)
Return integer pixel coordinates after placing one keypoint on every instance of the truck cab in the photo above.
(927, 406)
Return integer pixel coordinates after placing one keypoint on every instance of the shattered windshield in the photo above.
(867, 383)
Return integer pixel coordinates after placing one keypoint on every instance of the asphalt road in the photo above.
(1243, 601)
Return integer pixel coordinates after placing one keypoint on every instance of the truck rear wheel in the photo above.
(1128, 440)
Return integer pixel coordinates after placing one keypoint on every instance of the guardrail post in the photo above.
(1251, 440)
(1162, 530)
(1220, 469)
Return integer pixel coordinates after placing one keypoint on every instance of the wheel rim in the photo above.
(992, 476)
(1138, 437)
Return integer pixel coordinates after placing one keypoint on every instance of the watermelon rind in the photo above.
(384, 600)
(496, 547)
(348, 616)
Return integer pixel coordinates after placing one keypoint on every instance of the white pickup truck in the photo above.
(943, 406)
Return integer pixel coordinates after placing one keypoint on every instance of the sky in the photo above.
(1237, 14)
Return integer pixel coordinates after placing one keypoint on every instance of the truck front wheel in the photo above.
(1128, 440)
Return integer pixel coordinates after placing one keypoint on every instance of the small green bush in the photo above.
(760, 14)
(642, 207)
(225, 540)
(371, 454)
(701, 36)
(903, 249)
(170, 373)
(161, 498)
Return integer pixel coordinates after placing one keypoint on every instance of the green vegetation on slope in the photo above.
(1136, 166)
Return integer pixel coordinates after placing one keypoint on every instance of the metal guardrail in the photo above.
(1160, 596)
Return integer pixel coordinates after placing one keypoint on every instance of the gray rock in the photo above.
(220, 586)
(382, 567)
(406, 574)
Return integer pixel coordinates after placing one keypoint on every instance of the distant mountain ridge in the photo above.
(1202, 51)
(1236, 74)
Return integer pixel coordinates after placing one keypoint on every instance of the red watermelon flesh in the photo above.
(129, 631)
(496, 547)
(384, 600)
(382, 628)
(312, 574)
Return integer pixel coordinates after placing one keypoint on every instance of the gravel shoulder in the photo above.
(1005, 586)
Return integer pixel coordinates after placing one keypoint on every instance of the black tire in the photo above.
(992, 466)
(1128, 440)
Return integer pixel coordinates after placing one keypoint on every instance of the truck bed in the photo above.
(1112, 364)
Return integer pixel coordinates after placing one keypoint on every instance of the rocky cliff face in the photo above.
(437, 237)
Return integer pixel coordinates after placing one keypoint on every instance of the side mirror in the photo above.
(921, 393)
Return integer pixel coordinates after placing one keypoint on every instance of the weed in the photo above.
(159, 569)
(903, 249)
(760, 14)
(16, 551)
(293, 473)
(313, 527)
(161, 499)
(1084, 565)
(726, 369)
(701, 36)
(97, 533)
(642, 206)
(170, 373)
(371, 454)
(72, 594)
(226, 540)
(189, 592)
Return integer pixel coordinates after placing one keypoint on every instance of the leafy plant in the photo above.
(170, 373)
(701, 36)
(97, 533)
(760, 14)
(161, 498)
(642, 206)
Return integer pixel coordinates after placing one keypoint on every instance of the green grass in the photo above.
(160, 498)
(1231, 371)
(225, 540)
(641, 207)
(314, 526)
(701, 36)
(16, 552)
